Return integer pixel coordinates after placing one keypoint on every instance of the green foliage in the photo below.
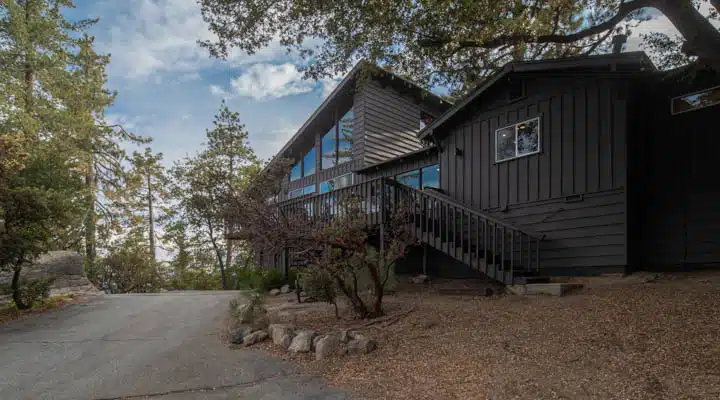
(318, 284)
(260, 280)
(36, 291)
(204, 185)
(128, 268)
(454, 44)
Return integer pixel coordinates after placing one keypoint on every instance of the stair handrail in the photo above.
(455, 203)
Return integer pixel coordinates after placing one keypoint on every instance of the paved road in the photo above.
(161, 346)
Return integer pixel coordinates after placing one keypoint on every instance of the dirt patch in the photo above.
(8, 312)
(618, 338)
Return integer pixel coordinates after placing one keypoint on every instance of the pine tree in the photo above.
(205, 184)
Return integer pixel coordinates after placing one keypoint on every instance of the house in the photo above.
(583, 165)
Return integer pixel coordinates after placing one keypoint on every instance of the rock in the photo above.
(345, 335)
(254, 315)
(255, 337)
(66, 268)
(420, 279)
(316, 339)
(237, 336)
(282, 335)
(274, 292)
(328, 346)
(360, 345)
(285, 289)
(302, 342)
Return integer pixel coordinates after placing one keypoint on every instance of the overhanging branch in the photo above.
(625, 9)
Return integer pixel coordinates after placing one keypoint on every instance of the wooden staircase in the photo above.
(499, 250)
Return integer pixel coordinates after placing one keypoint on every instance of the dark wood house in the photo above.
(560, 167)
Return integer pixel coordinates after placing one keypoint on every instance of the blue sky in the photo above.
(169, 88)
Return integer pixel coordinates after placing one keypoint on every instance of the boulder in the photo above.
(302, 342)
(254, 337)
(238, 334)
(328, 346)
(254, 315)
(282, 335)
(66, 268)
(360, 344)
(285, 289)
(274, 292)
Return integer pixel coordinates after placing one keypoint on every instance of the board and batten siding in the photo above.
(390, 123)
(573, 191)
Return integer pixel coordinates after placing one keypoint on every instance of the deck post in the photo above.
(424, 259)
(382, 222)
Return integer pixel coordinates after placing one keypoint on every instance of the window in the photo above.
(336, 145)
(328, 148)
(336, 183)
(296, 171)
(695, 101)
(411, 179)
(430, 176)
(309, 163)
(517, 140)
(295, 193)
(345, 132)
(425, 119)
(308, 189)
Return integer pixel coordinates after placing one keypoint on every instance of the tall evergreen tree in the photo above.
(206, 182)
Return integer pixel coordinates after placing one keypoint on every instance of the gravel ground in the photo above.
(618, 338)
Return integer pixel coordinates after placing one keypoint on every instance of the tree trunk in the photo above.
(151, 220)
(218, 254)
(90, 228)
(702, 39)
(229, 255)
(17, 297)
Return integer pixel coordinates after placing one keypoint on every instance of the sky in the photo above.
(169, 88)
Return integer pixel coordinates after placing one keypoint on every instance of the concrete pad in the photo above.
(551, 289)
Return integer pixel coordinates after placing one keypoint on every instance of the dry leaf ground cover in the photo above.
(618, 338)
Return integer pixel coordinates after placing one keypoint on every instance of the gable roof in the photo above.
(344, 88)
(637, 58)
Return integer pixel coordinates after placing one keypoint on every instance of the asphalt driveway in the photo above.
(160, 346)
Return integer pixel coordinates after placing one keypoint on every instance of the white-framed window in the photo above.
(695, 100)
(517, 140)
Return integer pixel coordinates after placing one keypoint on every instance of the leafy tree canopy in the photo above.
(453, 43)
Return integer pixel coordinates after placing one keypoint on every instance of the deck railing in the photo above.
(497, 248)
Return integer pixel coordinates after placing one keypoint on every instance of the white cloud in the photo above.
(156, 36)
(266, 82)
(267, 143)
(659, 23)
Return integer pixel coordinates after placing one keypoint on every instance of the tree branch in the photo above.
(623, 11)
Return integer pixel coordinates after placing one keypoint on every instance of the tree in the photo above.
(98, 143)
(333, 235)
(36, 202)
(205, 182)
(437, 42)
(146, 191)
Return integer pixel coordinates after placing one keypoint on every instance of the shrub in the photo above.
(273, 278)
(318, 284)
(36, 290)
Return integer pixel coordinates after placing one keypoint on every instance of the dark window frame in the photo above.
(336, 147)
(420, 175)
(710, 89)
